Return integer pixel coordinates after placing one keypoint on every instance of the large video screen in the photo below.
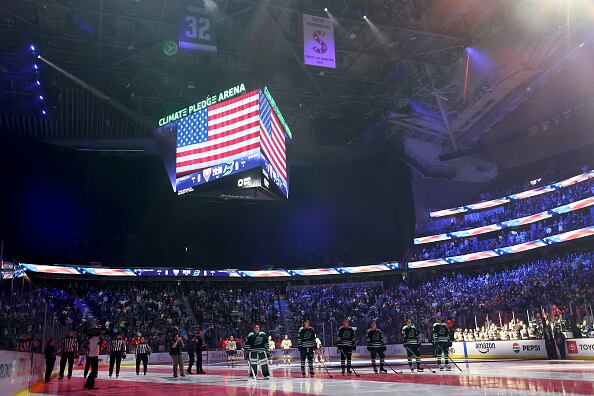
(212, 140)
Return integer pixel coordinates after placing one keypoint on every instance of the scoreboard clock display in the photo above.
(230, 145)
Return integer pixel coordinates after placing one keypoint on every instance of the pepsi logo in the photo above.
(531, 348)
(516, 347)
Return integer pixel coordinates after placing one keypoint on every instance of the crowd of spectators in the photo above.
(515, 209)
(21, 312)
(561, 288)
(328, 305)
(232, 311)
(153, 310)
(159, 310)
(460, 297)
(507, 237)
(514, 181)
(514, 330)
(61, 303)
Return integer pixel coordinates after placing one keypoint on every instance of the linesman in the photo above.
(143, 350)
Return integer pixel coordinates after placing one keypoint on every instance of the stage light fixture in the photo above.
(43, 112)
(38, 82)
(41, 97)
(326, 9)
(32, 47)
(364, 16)
(35, 66)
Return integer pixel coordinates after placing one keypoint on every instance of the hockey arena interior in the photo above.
(296, 197)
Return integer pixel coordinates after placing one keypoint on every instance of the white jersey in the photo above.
(231, 346)
(286, 344)
(94, 346)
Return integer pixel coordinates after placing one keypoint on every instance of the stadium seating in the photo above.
(158, 309)
(509, 220)
(530, 286)
(506, 237)
(513, 210)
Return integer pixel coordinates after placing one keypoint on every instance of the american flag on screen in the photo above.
(273, 138)
(219, 133)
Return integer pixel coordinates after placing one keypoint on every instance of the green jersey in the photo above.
(306, 337)
(375, 338)
(346, 337)
(257, 342)
(410, 335)
(441, 332)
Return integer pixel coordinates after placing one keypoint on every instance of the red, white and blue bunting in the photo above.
(581, 204)
(193, 272)
(55, 270)
(522, 247)
(522, 195)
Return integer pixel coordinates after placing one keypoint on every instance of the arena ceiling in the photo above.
(401, 75)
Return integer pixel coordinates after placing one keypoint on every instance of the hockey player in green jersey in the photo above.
(306, 340)
(410, 337)
(256, 347)
(346, 345)
(375, 345)
(441, 342)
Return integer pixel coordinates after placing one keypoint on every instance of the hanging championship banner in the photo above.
(318, 41)
(196, 27)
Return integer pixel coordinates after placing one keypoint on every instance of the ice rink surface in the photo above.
(520, 377)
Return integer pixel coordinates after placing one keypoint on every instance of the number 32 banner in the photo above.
(318, 42)
(196, 30)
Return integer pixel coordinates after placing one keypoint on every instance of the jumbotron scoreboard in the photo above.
(229, 146)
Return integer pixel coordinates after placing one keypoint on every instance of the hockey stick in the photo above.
(325, 368)
(345, 358)
(390, 367)
(384, 363)
(452, 360)
(419, 357)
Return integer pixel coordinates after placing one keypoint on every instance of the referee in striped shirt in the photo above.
(143, 350)
(68, 350)
(117, 348)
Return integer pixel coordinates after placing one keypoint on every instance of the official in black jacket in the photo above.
(176, 355)
(200, 347)
(50, 359)
(191, 349)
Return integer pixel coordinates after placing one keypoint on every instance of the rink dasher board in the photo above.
(19, 370)
(580, 349)
(516, 349)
